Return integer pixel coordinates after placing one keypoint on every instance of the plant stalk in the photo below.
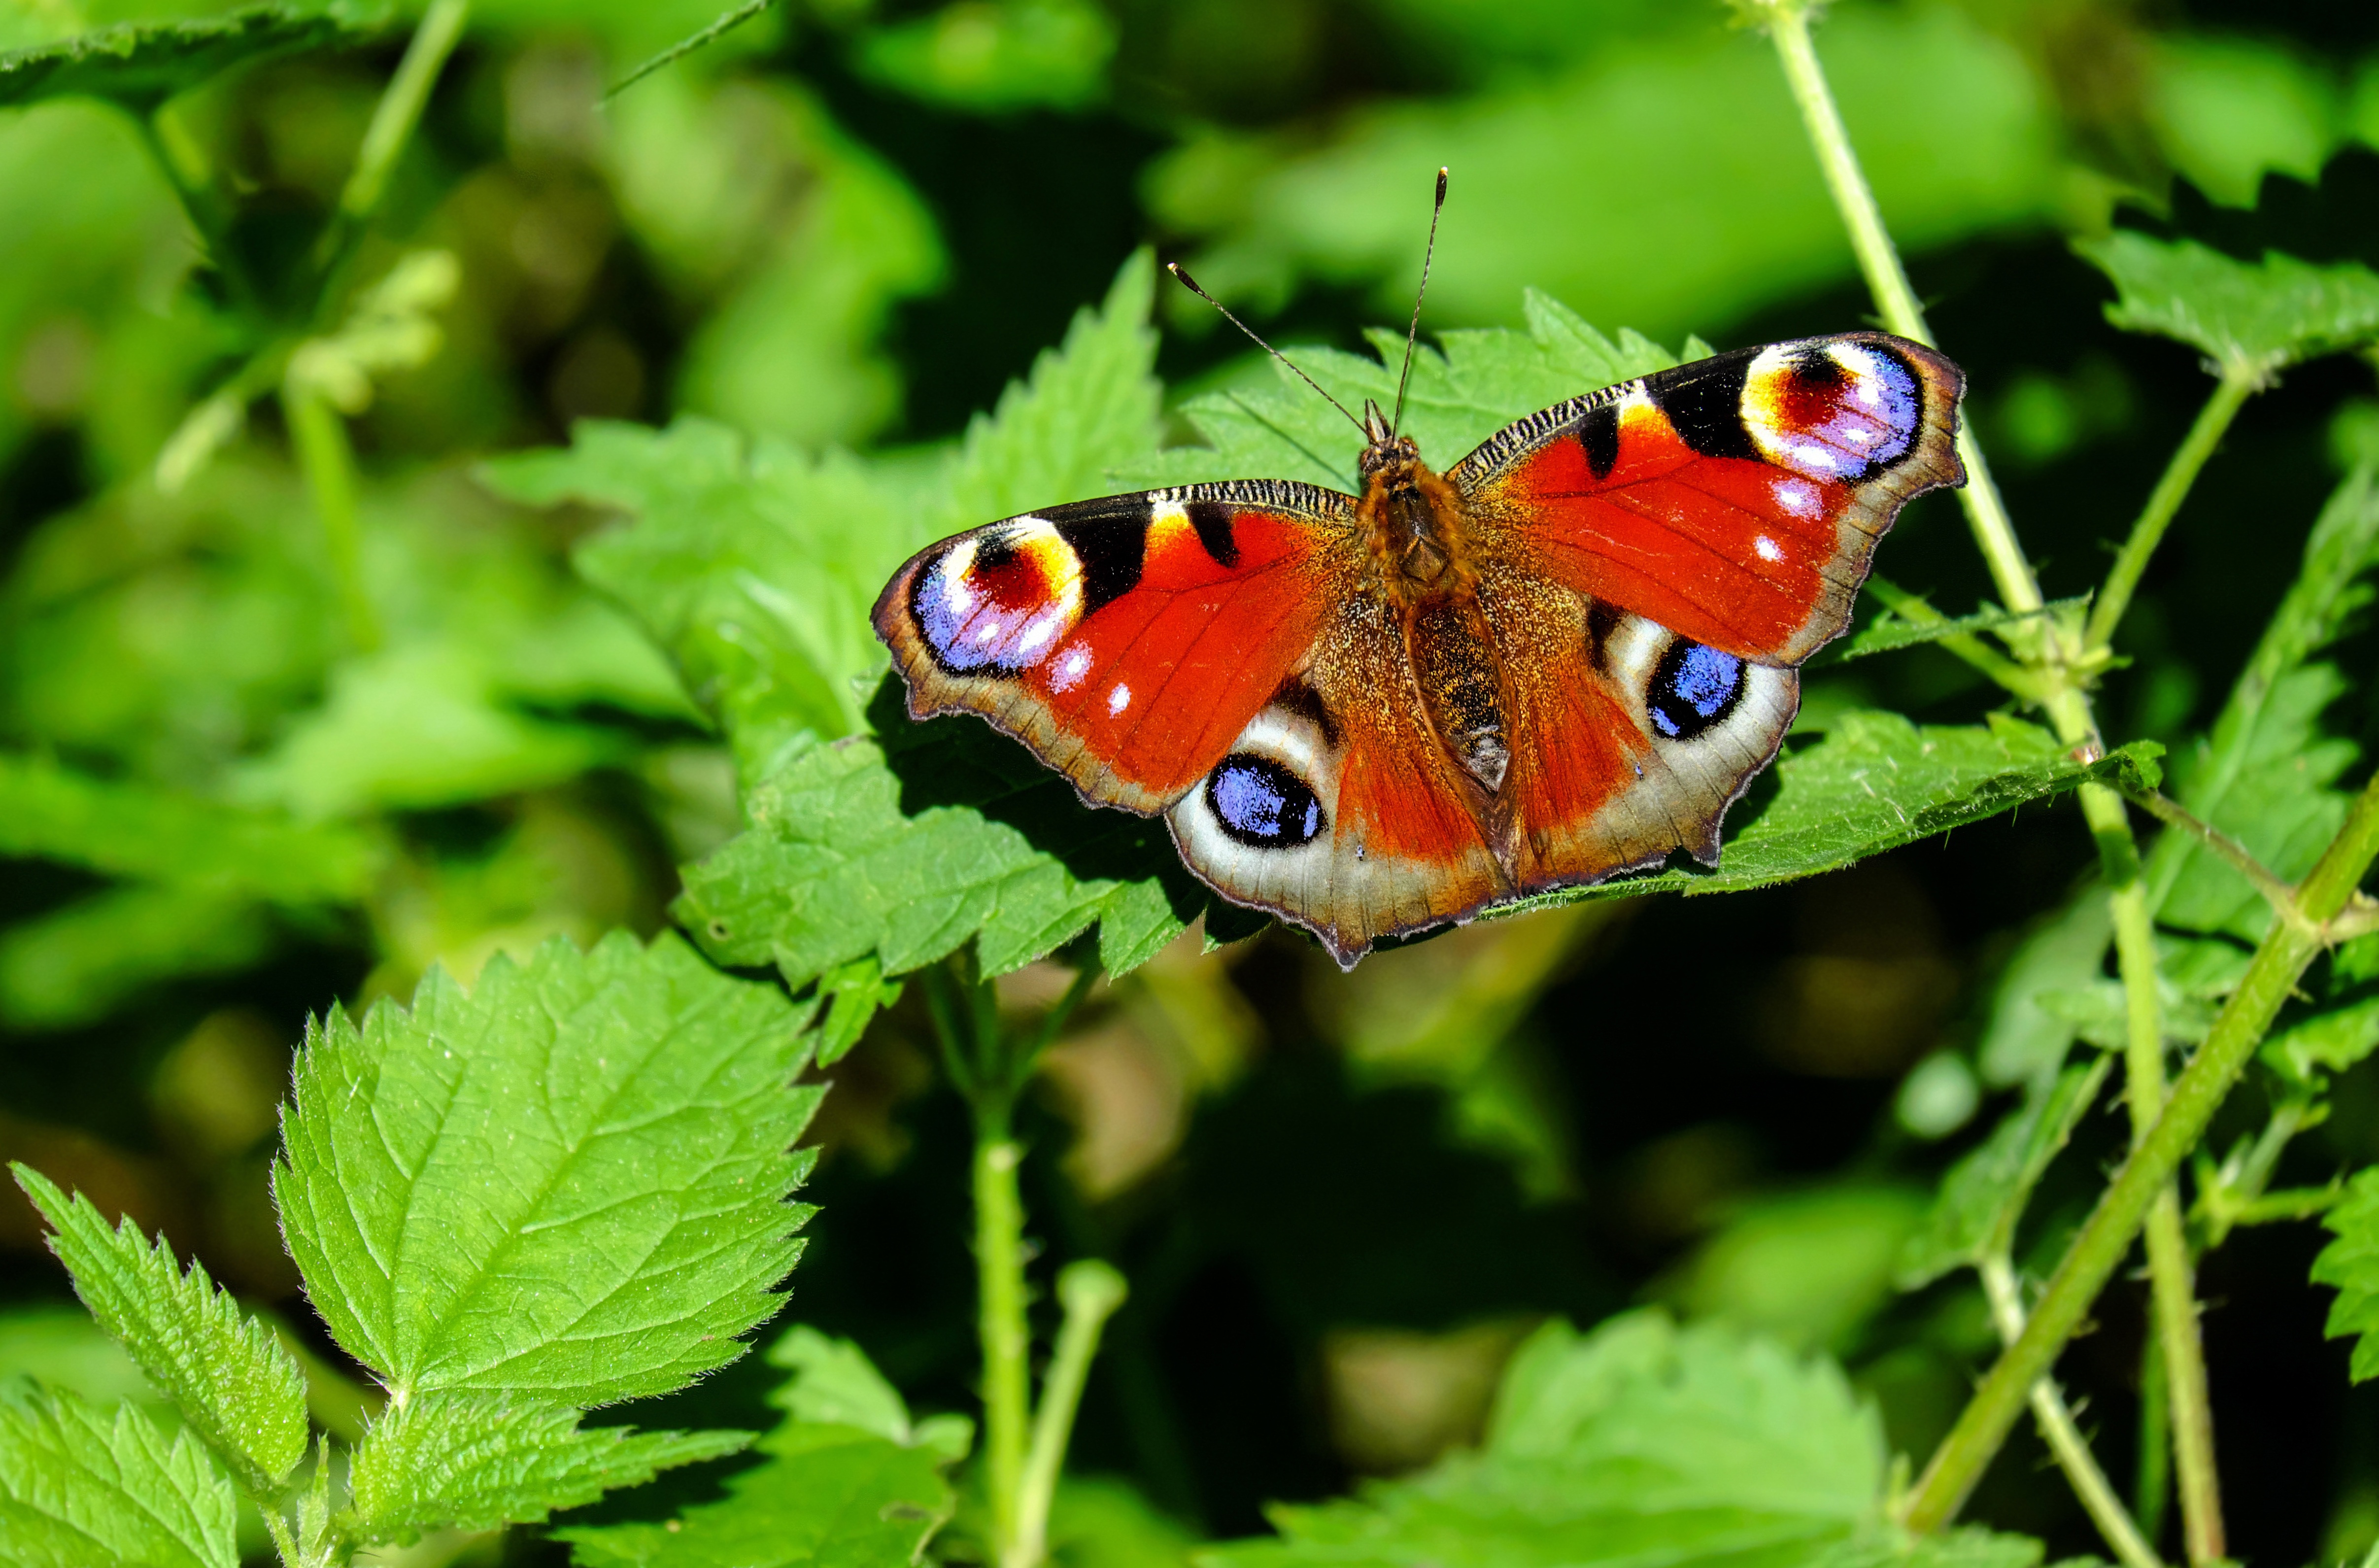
(1089, 1291)
(329, 464)
(2063, 1437)
(2237, 383)
(2100, 1245)
(393, 122)
(2152, 1478)
(1006, 1343)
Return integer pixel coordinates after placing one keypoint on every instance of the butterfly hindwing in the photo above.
(1735, 499)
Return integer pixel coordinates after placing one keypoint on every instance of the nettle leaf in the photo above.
(2025, 1041)
(82, 1488)
(2257, 316)
(140, 64)
(2265, 773)
(1636, 1440)
(1886, 632)
(2352, 1264)
(224, 1370)
(1983, 1196)
(479, 1461)
(756, 566)
(910, 846)
(850, 1481)
(567, 1183)
(2329, 1042)
(54, 813)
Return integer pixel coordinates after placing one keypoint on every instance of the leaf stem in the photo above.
(2165, 808)
(1879, 259)
(718, 28)
(2105, 1237)
(328, 461)
(2239, 382)
(393, 122)
(1089, 1291)
(2152, 1478)
(999, 1261)
(2059, 1430)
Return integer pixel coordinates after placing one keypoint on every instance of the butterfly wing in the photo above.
(1735, 500)
(1661, 555)
(1207, 652)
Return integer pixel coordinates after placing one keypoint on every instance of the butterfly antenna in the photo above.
(1191, 284)
(1412, 333)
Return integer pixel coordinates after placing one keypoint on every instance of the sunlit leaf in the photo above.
(84, 1488)
(224, 1370)
(2328, 1042)
(569, 1183)
(2352, 1264)
(475, 1461)
(140, 65)
(847, 1482)
(2256, 316)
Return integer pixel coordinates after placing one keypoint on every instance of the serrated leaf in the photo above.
(1887, 632)
(1983, 1196)
(2255, 316)
(755, 567)
(73, 964)
(2352, 1264)
(1639, 1441)
(855, 991)
(225, 1372)
(569, 1183)
(2329, 1042)
(54, 813)
(849, 1482)
(2264, 774)
(910, 846)
(477, 1461)
(1872, 783)
(84, 1488)
(140, 64)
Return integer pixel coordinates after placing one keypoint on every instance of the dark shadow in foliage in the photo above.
(2331, 220)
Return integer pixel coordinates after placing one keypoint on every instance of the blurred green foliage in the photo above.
(645, 395)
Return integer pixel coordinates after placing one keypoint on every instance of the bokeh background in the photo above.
(1341, 1200)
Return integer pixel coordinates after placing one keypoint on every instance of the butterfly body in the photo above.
(1559, 659)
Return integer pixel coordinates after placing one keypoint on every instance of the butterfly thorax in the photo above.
(1420, 536)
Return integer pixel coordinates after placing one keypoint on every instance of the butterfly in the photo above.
(1558, 660)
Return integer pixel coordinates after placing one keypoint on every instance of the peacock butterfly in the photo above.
(1559, 659)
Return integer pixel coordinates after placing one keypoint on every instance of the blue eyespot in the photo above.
(1693, 688)
(1262, 804)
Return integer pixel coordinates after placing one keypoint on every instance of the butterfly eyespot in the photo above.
(996, 604)
(1262, 804)
(1693, 688)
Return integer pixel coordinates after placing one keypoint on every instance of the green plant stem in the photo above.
(717, 29)
(1879, 259)
(2172, 1281)
(2105, 1236)
(2172, 813)
(2151, 1480)
(2237, 383)
(999, 1262)
(2063, 1437)
(393, 122)
(1090, 1292)
(329, 464)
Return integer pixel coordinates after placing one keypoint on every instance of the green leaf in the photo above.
(140, 64)
(569, 1183)
(75, 964)
(1805, 1268)
(2329, 1042)
(83, 1489)
(1886, 632)
(996, 58)
(857, 989)
(477, 1461)
(756, 568)
(2352, 1264)
(849, 1482)
(2265, 773)
(1872, 783)
(54, 813)
(1983, 1197)
(909, 847)
(2254, 316)
(1639, 1441)
(2023, 1041)
(224, 1370)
